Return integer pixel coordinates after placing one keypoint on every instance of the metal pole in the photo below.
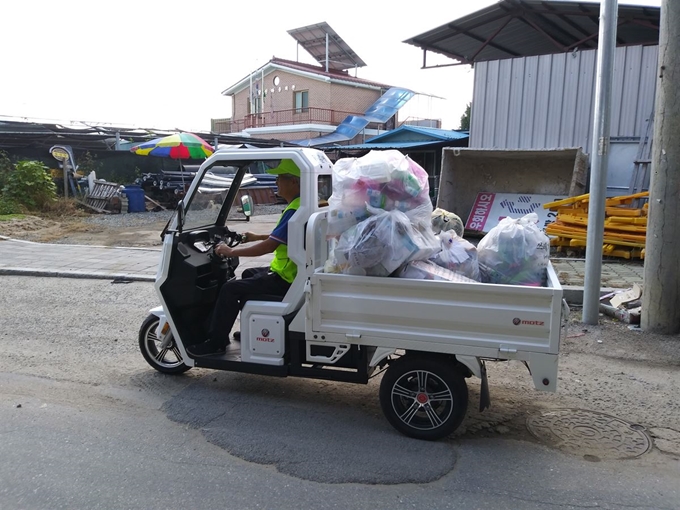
(250, 91)
(599, 157)
(65, 164)
(326, 52)
(117, 140)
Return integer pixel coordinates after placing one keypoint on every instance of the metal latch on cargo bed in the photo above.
(507, 352)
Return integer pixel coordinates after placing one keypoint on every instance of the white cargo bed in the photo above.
(466, 319)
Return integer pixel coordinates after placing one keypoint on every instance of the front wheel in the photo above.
(164, 359)
(424, 397)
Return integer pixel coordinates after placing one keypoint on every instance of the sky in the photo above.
(163, 64)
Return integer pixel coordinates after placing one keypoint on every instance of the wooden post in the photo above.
(661, 291)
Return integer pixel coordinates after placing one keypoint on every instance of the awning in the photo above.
(522, 28)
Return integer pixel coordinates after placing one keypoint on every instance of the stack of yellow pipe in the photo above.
(625, 227)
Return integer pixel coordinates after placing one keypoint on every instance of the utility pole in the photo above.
(661, 291)
(599, 156)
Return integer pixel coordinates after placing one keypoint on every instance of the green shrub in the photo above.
(30, 185)
(6, 167)
(9, 206)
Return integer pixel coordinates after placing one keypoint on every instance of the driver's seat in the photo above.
(272, 314)
(263, 297)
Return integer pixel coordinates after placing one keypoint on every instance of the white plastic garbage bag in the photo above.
(380, 244)
(385, 180)
(516, 251)
(457, 255)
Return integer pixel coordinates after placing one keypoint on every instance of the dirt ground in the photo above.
(608, 368)
(79, 230)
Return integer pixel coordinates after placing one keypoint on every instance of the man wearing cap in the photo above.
(274, 280)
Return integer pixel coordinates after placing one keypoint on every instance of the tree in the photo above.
(465, 119)
(661, 292)
(88, 163)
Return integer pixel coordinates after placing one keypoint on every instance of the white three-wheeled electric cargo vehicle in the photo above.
(427, 335)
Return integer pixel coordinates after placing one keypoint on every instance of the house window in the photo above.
(301, 101)
(254, 106)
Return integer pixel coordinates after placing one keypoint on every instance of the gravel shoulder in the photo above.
(125, 230)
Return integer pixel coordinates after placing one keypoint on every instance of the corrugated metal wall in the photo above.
(547, 101)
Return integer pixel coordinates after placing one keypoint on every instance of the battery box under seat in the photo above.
(263, 329)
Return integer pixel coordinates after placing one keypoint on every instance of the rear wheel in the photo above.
(164, 359)
(424, 397)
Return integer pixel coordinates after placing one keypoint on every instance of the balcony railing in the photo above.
(286, 118)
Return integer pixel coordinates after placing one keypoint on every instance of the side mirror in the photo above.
(247, 205)
(180, 216)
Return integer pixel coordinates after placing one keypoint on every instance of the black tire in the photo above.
(424, 397)
(169, 360)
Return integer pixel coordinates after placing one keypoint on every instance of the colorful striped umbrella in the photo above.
(177, 146)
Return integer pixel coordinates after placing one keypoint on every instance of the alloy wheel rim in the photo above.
(422, 400)
(160, 356)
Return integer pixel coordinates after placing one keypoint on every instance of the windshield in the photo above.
(213, 190)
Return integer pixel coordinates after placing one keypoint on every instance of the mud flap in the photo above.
(484, 396)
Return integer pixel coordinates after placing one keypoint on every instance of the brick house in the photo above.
(289, 100)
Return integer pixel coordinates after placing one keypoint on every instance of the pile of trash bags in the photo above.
(381, 223)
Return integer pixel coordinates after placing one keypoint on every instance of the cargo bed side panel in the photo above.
(485, 317)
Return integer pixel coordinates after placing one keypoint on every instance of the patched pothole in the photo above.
(590, 434)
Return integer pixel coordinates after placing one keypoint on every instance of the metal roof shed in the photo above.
(535, 74)
(520, 28)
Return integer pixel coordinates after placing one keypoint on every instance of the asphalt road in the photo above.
(86, 423)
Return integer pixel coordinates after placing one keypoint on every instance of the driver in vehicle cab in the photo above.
(263, 283)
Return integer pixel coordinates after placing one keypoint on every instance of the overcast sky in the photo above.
(164, 64)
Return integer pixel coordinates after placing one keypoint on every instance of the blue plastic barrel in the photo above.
(135, 195)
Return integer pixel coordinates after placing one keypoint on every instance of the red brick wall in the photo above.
(345, 98)
(351, 99)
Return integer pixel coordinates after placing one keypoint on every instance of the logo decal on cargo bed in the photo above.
(517, 321)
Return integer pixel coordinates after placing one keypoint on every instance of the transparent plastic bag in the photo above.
(380, 244)
(427, 270)
(385, 180)
(457, 255)
(516, 251)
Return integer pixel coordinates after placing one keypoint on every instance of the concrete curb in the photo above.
(138, 248)
(573, 294)
(76, 274)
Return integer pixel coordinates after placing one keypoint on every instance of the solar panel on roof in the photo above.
(325, 45)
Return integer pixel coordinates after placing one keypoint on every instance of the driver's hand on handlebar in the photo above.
(223, 250)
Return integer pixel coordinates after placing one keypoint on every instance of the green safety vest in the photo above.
(282, 265)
